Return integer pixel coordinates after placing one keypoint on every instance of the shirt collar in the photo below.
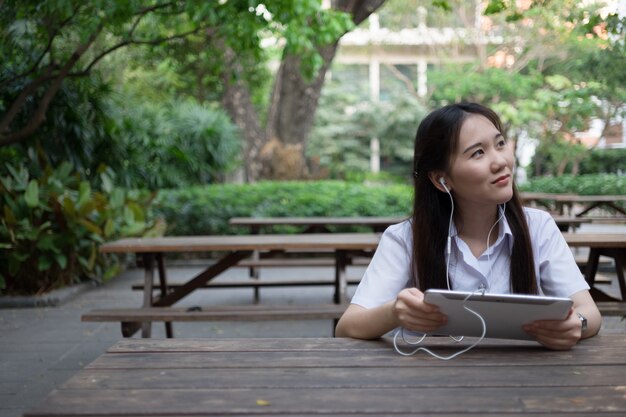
(504, 231)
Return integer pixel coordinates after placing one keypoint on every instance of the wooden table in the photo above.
(318, 224)
(376, 224)
(307, 377)
(235, 249)
(343, 246)
(564, 203)
(612, 245)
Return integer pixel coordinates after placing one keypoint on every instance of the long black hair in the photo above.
(436, 139)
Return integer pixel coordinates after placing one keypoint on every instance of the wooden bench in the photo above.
(254, 283)
(128, 317)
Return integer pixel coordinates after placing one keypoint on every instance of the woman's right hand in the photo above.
(415, 314)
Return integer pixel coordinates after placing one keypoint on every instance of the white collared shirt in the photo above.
(555, 268)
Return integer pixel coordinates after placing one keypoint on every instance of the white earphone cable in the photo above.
(400, 331)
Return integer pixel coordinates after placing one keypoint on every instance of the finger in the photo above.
(414, 299)
(552, 339)
(556, 343)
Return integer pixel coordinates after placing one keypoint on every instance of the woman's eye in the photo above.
(477, 153)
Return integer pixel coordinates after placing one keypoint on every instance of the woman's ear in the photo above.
(438, 179)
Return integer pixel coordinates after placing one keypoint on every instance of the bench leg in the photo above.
(341, 285)
(169, 331)
(620, 267)
(148, 261)
(619, 255)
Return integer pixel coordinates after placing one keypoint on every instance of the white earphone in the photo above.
(443, 184)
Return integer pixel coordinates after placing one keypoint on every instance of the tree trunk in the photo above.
(238, 103)
(294, 102)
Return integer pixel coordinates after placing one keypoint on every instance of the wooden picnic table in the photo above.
(236, 249)
(565, 204)
(326, 376)
(321, 224)
(316, 224)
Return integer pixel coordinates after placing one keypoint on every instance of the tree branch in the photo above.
(52, 37)
(400, 76)
(142, 13)
(40, 113)
(21, 99)
(136, 42)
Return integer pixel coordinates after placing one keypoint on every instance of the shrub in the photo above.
(597, 184)
(53, 223)
(206, 210)
(604, 161)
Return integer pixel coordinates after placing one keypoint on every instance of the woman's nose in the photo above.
(498, 161)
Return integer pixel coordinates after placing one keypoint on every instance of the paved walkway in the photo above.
(40, 348)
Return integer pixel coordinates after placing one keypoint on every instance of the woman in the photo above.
(468, 231)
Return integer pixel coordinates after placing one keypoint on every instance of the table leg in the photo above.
(169, 331)
(619, 256)
(620, 268)
(609, 204)
(148, 264)
(341, 282)
(253, 271)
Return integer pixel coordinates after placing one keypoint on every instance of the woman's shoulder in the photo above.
(537, 216)
(540, 222)
(400, 229)
(401, 232)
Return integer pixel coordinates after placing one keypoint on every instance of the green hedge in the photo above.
(206, 210)
(596, 184)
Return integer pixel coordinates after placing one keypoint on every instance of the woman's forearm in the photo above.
(362, 323)
(584, 304)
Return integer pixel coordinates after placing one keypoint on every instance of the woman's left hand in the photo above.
(556, 334)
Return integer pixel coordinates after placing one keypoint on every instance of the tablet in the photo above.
(504, 314)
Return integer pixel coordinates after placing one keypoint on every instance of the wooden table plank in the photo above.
(306, 377)
(312, 241)
(325, 401)
(317, 221)
(350, 377)
(588, 346)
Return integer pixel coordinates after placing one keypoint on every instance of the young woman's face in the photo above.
(482, 164)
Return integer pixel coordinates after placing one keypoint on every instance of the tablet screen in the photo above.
(504, 314)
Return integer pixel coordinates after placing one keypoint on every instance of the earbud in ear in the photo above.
(443, 184)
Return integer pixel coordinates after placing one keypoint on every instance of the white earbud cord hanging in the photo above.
(400, 331)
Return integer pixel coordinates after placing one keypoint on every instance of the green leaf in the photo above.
(129, 215)
(44, 263)
(61, 260)
(84, 194)
(68, 206)
(495, 6)
(109, 228)
(31, 195)
(91, 226)
(46, 243)
(107, 184)
(117, 198)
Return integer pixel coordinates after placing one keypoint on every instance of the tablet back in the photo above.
(504, 314)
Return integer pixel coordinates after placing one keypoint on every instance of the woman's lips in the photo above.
(502, 180)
